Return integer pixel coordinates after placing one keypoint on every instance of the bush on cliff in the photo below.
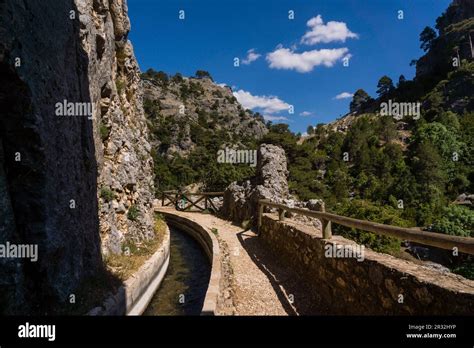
(455, 220)
(364, 210)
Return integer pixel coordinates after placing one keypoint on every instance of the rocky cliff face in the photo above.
(75, 167)
(179, 107)
(270, 182)
(125, 167)
(455, 26)
(458, 11)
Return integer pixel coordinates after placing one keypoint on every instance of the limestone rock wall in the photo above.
(68, 182)
(125, 167)
(270, 182)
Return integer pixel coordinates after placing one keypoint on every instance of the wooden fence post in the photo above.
(178, 197)
(281, 214)
(326, 225)
(260, 213)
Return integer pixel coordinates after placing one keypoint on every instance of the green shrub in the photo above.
(364, 210)
(107, 194)
(217, 93)
(466, 269)
(133, 213)
(184, 91)
(159, 77)
(120, 84)
(202, 74)
(177, 78)
(104, 131)
(455, 220)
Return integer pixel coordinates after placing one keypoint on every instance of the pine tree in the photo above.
(384, 86)
(359, 99)
(427, 37)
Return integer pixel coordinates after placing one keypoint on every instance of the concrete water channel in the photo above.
(183, 289)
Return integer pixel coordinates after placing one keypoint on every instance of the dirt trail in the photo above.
(257, 277)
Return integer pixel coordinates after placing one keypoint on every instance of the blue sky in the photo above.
(300, 61)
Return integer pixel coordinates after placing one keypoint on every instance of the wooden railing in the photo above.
(443, 241)
(183, 201)
(170, 197)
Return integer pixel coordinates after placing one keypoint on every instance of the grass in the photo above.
(120, 84)
(215, 231)
(104, 131)
(134, 254)
(107, 194)
(93, 291)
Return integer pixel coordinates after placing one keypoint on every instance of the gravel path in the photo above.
(258, 278)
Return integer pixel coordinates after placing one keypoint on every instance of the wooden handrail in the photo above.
(443, 241)
(194, 194)
(205, 194)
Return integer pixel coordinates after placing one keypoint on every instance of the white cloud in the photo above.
(306, 113)
(330, 32)
(275, 118)
(284, 58)
(251, 57)
(268, 104)
(343, 95)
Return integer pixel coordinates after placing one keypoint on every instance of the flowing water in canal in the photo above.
(184, 287)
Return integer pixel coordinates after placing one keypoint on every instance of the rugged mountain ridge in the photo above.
(438, 82)
(178, 107)
(68, 183)
(455, 26)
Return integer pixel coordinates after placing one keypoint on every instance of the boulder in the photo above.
(270, 182)
(464, 199)
(316, 205)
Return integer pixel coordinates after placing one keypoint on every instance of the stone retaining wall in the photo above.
(133, 297)
(379, 285)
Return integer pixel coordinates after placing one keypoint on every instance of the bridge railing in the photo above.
(443, 241)
(183, 200)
